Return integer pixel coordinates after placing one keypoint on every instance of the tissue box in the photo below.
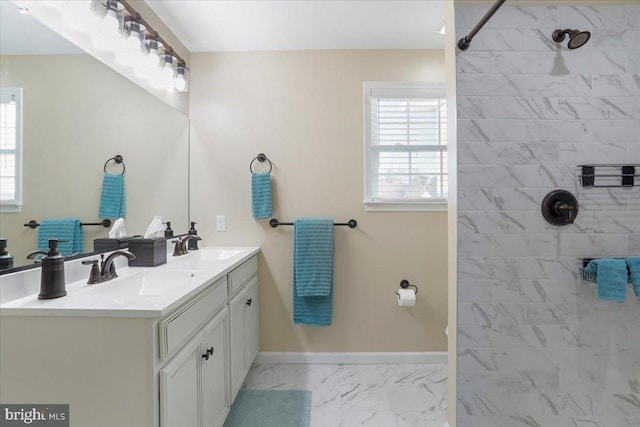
(105, 244)
(148, 252)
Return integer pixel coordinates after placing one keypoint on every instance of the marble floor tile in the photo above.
(407, 395)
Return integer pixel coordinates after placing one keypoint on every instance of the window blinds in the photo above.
(408, 146)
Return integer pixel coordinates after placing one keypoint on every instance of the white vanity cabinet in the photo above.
(194, 384)
(139, 361)
(243, 313)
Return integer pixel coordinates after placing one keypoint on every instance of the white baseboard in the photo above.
(432, 357)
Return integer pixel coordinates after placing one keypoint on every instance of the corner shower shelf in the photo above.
(608, 175)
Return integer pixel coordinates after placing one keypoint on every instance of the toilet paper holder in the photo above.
(404, 284)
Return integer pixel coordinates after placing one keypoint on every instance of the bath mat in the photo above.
(270, 408)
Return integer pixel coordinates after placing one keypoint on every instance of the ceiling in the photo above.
(238, 25)
(23, 35)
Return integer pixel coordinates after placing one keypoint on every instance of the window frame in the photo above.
(15, 205)
(399, 89)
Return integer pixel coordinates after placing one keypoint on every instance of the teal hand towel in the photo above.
(633, 264)
(112, 201)
(313, 271)
(68, 229)
(612, 278)
(261, 206)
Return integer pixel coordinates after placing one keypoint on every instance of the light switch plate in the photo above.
(221, 223)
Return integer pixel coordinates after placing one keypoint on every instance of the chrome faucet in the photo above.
(181, 244)
(107, 269)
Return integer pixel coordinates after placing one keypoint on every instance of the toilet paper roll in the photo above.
(406, 297)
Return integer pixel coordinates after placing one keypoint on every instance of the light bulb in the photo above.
(181, 83)
(181, 78)
(110, 26)
(151, 63)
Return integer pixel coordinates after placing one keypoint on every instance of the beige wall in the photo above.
(77, 114)
(304, 111)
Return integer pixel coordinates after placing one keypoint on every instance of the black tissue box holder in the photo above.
(148, 252)
(105, 244)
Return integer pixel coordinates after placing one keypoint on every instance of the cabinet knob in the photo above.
(207, 353)
(249, 302)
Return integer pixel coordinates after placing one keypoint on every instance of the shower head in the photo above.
(576, 38)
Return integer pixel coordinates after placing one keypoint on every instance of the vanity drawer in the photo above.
(178, 328)
(241, 275)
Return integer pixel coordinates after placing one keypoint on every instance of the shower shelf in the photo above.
(589, 276)
(608, 175)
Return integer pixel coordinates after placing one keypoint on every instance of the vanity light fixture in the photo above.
(135, 43)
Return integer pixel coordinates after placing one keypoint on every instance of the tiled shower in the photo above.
(535, 345)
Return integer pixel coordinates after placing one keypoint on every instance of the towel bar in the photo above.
(105, 223)
(352, 223)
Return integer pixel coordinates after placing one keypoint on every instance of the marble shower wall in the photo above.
(535, 345)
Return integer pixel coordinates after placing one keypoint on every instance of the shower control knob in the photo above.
(560, 207)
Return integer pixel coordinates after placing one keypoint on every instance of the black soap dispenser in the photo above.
(192, 244)
(6, 259)
(52, 283)
(168, 232)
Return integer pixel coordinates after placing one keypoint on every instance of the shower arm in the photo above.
(465, 42)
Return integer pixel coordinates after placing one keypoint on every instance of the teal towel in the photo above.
(261, 195)
(612, 278)
(634, 274)
(62, 229)
(112, 198)
(313, 271)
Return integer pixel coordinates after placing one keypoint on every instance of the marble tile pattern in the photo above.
(536, 347)
(405, 395)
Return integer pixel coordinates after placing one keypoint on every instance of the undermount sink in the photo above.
(217, 254)
(150, 283)
(202, 258)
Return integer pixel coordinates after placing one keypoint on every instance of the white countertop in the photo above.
(133, 293)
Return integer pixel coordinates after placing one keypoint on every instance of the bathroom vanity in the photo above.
(163, 346)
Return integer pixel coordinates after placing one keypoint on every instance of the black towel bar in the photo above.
(106, 223)
(352, 223)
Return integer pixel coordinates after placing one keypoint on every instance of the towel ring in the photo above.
(261, 158)
(118, 159)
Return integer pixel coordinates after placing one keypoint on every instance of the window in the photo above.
(10, 149)
(405, 146)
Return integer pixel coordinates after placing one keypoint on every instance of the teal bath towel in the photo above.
(261, 195)
(634, 274)
(313, 271)
(612, 278)
(62, 229)
(112, 198)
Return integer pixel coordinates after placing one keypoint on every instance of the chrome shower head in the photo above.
(576, 38)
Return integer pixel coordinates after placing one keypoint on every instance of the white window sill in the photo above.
(406, 206)
(10, 208)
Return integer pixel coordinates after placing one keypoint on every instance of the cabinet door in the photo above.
(236, 340)
(215, 371)
(251, 325)
(180, 387)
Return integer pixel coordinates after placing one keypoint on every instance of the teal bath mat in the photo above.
(270, 408)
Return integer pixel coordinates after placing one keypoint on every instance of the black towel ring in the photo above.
(118, 159)
(261, 158)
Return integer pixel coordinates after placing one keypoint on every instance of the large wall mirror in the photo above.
(76, 114)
